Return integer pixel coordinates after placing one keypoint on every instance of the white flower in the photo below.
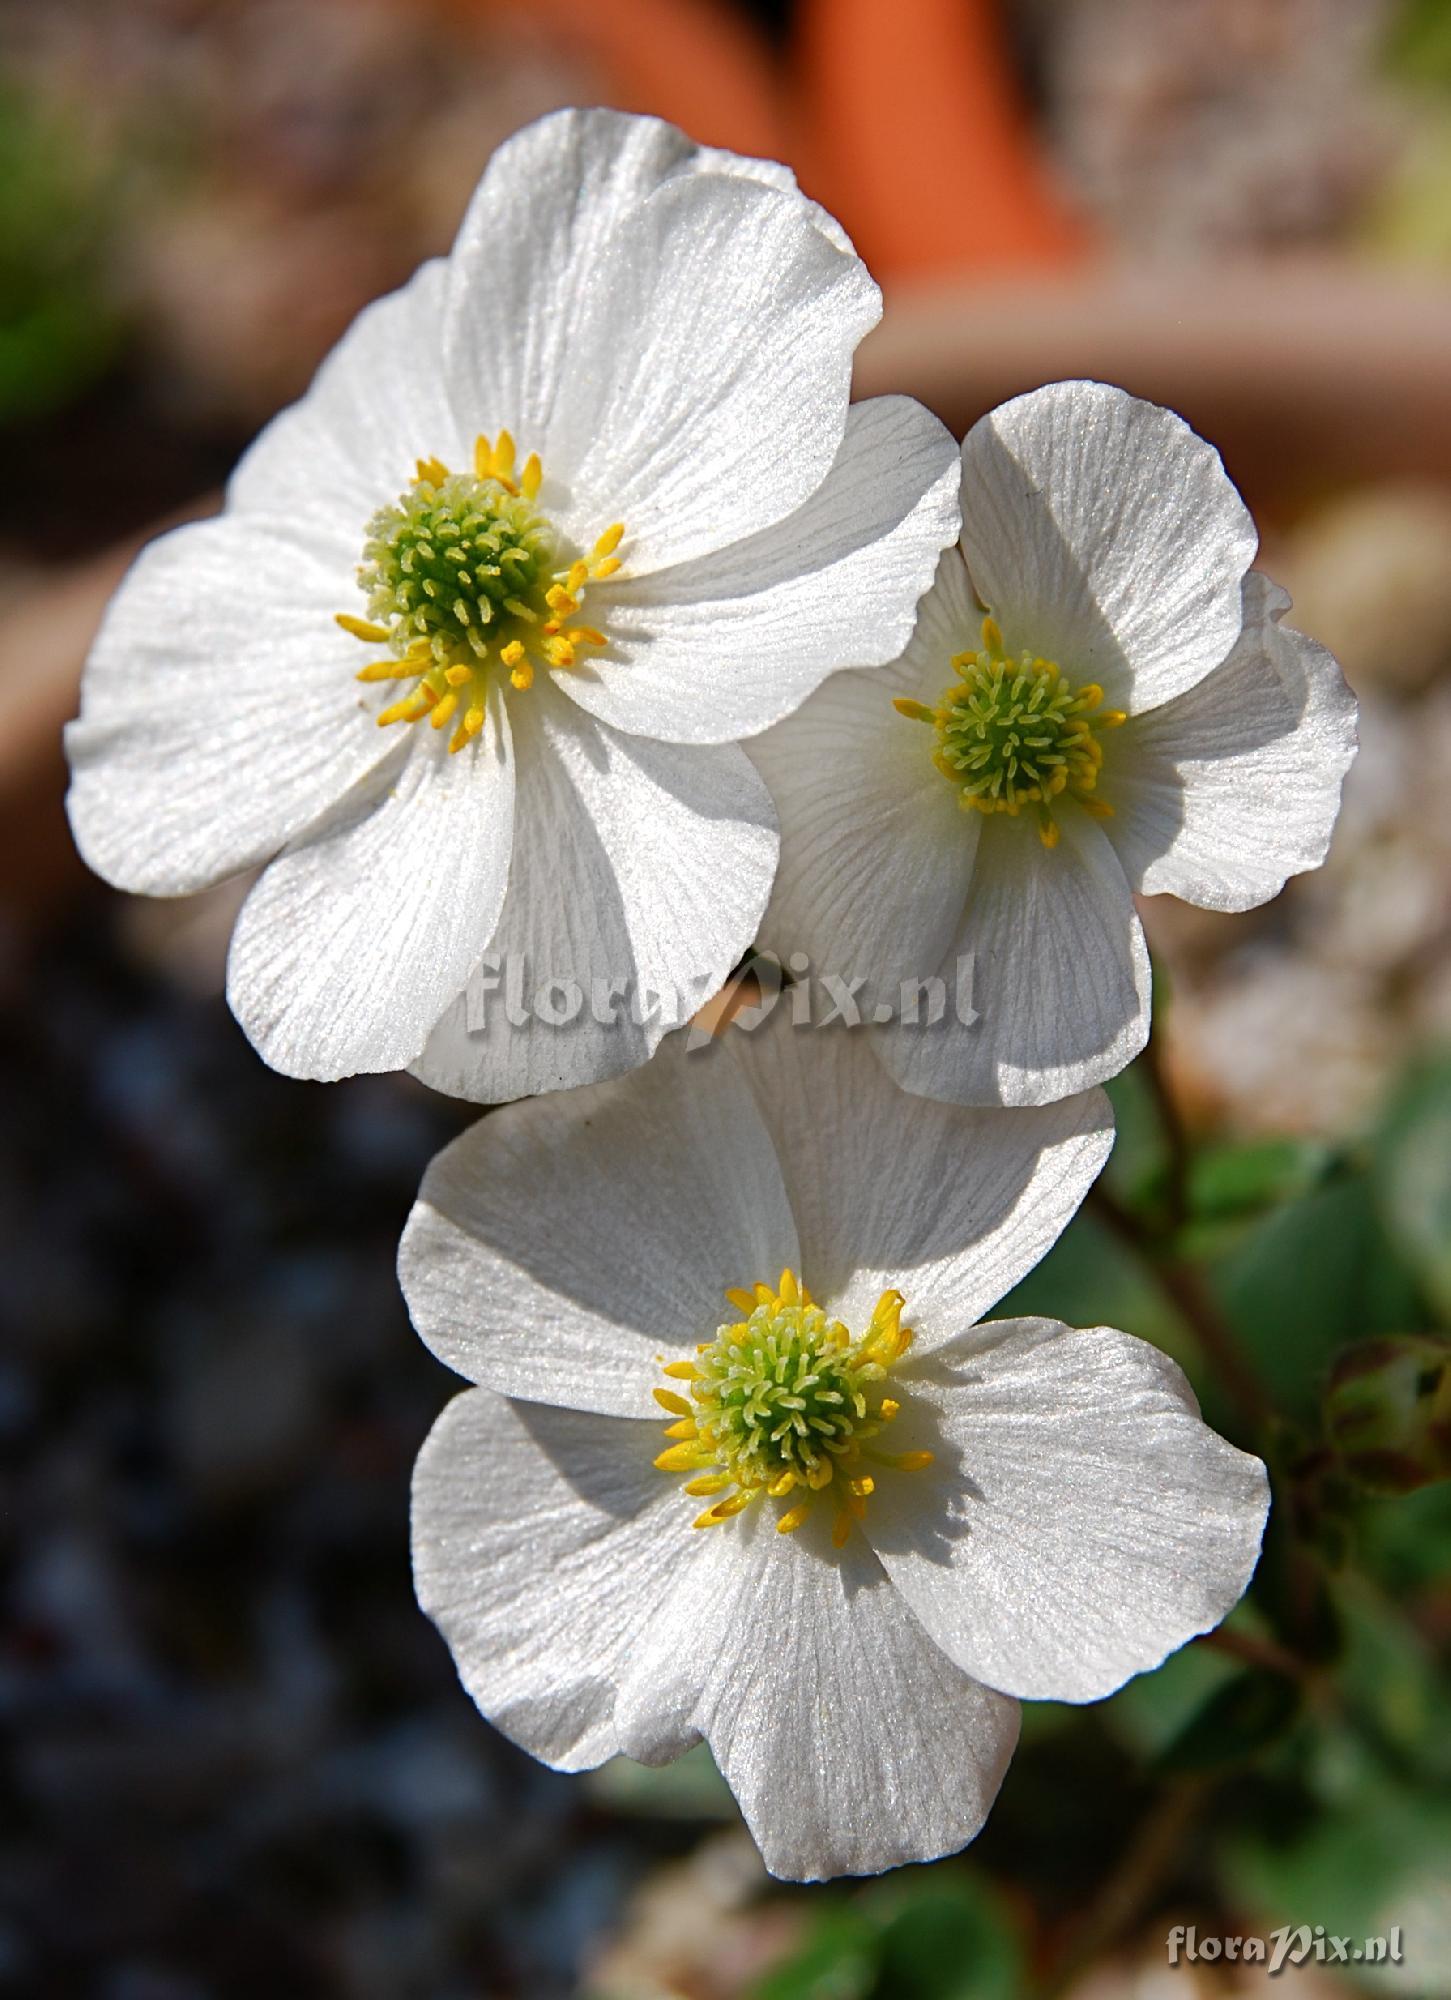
(1132, 716)
(849, 1626)
(566, 638)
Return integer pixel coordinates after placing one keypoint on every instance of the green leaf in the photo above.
(1307, 1280)
(1413, 1181)
(1152, 1709)
(1388, 1411)
(950, 1942)
(839, 1961)
(1237, 1180)
(1239, 1720)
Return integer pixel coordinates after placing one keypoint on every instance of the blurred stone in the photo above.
(1371, 579)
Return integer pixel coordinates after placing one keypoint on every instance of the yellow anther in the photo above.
(1048, 831)
(513, 653)
(1099, 808)
(915, 711)
(669, 1400)
(444, 711)
(820, 1475)
(559, 599)
(586, 635)
(458, 676)
(683, 1371)
(577, 578)
(502, 465)
(361, 628)
(686, 1428)
(779, 1488)
(743, 1301)
(914, 1461)
(606, 568)
(791, 1520)
(411, 709)
(1112, 718)
(786, 1289)
(862, 1487)
(430, 472)
(560, 653)
(483, 457)
(388, 670)
(711, 1482)
(764, 1295)
(532, 477)
(890, 1408)
(610, 540)
(522, 676)
(681, 1458)
(840, 1528)
(992, 636)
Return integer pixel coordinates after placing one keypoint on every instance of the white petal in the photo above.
(355, 940)
(1226, 791)
(378, 403)
(876, 859)
(953, 1206)
(219, 712)
(1080, 1522)
(543, 1540)
(531, 246)
(704, 392)
(850, 1740)
(1104, 535)
(562, 1245)
(718, 648)
(1059, 974)
(639, 875)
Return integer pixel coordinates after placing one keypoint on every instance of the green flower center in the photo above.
(462, 576)
(786, 1399)
(461, 566)
(1016, 734)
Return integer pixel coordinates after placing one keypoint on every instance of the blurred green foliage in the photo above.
(59, 323)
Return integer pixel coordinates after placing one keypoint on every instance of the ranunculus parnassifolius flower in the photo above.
(871, 1524)
(1099, 699)
(569, 515)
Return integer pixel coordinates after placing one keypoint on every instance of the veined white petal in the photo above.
(876, 859)
(639, 875)
(379, 402)
(1060, 974)
(952, 1206)
(355, 940)
(561, 1246)
(1080, 1521)
(219, 713)
(543, 1542)
(530, 248)
(718, 648)
(1229, 789)
(1104, 535)
(851, 1742)
(704, 394)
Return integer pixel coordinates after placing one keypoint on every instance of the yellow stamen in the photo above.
(669, 1400)
(791, 1520)
(915, 711)
(532, 477)
(361, 628)
(441, 714)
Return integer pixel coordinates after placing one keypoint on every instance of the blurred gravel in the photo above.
(235, 1758)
